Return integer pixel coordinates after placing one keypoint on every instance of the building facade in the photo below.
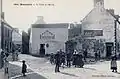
(5, 38)
(99, 30)
(6, 35)
(48, 38)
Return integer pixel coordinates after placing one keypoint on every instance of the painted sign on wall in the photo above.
(47, 35)
(92, 33)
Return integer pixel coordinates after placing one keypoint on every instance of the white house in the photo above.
(50, 37)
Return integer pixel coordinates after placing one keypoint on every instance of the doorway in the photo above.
(109, 48)
(42, 49)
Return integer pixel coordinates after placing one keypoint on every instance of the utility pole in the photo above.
(1, 24)
(115, 37)
(115, 22)
(2, 43)
(1, 6)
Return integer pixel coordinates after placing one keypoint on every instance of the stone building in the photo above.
(6, 35)
(47, 38)
(99, 30)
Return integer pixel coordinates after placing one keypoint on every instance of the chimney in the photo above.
(98, 3)
(40, 20)
(117, 17)
(16, 29)
(111, 11)
(40, 17)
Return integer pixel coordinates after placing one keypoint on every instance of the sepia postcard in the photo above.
(59, 39)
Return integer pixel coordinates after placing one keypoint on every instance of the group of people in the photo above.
(61, 59)
(5, 62)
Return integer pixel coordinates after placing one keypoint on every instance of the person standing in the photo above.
(57, 61)
(99, 54)
(74, 59)
(96, 56)
(80, 62)
(63, 59)
(2, 58)
(52, 58)
(85, 54)
(60, 53)
(24, 68)
(68, 60)
(114, 64)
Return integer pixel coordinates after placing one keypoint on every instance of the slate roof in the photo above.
(4, 22)
(57, 25)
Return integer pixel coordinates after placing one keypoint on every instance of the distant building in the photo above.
(17, 39)
(48, 38)
(99, 30)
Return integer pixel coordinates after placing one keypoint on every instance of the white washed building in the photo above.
(50, 37)
(98, 26)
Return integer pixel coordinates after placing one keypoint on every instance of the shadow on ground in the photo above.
(69, 74)
(15, 73)
(117, 72)
(89, 68)
(31, 76)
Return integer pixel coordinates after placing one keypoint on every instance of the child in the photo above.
(24, 67)
(114, 64)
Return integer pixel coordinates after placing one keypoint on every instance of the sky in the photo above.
(66, 11)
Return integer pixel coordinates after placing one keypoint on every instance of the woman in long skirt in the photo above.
(114, 64)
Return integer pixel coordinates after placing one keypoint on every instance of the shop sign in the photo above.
(92, 33)
(47, 35)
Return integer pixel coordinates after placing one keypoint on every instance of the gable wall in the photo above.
(99, 19)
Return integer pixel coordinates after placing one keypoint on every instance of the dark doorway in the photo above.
(42, 49)
(109, 48)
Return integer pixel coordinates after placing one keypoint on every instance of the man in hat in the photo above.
(57, 61)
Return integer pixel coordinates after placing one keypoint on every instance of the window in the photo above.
(101, 3)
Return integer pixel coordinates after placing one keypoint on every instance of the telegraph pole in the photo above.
(115, 37)
(2, 44)
(115, 26)
(1, 6)
(1, 59)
